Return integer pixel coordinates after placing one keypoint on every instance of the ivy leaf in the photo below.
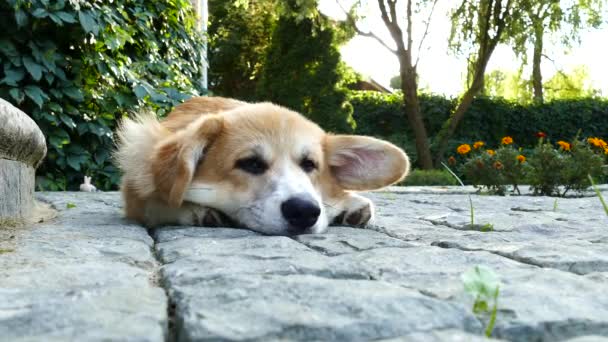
(36, 94)
(74, 93)
(88, 22)
(67, 120)
(21, 18)
(65, 16)
(12, 76)
(8, 48)
(17, 95)
(56, 19)
(33, 68)
(140, 91)
(40, 13)
(74, 161)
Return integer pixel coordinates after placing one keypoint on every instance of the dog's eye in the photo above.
(254, 165)
(308, 165)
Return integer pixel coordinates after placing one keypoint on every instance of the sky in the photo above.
(442, 72)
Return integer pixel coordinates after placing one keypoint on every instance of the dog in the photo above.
(216, 161)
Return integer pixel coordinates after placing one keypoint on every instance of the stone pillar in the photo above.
(200, 7)
(22, 148)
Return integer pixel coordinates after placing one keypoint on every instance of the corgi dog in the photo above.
(215, 161)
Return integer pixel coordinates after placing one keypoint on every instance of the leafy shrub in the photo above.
(495, 170)
(77, 67)
(429, 177)
(568, 169)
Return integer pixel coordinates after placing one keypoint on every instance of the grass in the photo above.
(599, 194)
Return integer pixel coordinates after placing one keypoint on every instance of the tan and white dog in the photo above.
(216, 161)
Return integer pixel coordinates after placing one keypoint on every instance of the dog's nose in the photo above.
(300, 213)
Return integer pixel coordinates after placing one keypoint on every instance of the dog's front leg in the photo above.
(188, 214)
(351, 210)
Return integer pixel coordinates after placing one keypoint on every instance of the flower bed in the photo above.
(550, 169)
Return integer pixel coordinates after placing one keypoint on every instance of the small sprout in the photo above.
(555, 205)
(483, 285)
(488, 227)
(70, 205)
(599, 194)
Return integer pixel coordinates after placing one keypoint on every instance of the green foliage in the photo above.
(488, 119)
(429, 177)
(483, 285)
(562, 86)
(77, 67)
(239, 35)
(303, 71)
(495, 171)
(554, 172)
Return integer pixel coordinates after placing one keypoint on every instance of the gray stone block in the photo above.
(22, 148)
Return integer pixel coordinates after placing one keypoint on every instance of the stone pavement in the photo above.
(90, 275)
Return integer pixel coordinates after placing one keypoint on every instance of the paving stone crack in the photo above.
(171, 335)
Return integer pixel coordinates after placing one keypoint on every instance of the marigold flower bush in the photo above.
(550, 169)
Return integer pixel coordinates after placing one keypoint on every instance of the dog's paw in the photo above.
(358, 212)
(208, 217)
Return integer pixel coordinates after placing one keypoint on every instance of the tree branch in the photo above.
(392, 26)
(426, 31)
(352, 20)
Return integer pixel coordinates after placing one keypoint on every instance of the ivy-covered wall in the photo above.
(77, 67)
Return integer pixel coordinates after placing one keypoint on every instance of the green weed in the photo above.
(483, 285)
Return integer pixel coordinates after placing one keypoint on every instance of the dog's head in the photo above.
(270, 169)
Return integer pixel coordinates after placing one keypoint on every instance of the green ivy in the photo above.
(77, 67)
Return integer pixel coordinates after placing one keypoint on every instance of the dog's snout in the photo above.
(300, 213)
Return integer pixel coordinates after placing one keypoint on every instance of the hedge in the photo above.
(488, 119)
(77, 67)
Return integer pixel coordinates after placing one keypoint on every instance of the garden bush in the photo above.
(77, 67)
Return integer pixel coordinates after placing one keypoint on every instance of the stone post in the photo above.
(22, 148)
(200, 7)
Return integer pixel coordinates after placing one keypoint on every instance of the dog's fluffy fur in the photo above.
(187, 169)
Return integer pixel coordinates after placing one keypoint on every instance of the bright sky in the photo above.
(441, 71)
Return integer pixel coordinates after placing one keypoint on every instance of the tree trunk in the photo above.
(465, 102)
(537, 77)
(411, 106)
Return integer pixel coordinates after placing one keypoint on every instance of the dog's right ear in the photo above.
(175, 158)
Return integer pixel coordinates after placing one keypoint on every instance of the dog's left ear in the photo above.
(365, 163)
(175, 159)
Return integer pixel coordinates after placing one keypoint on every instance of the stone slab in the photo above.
(16, 190)
(86, 275)
(399, 280)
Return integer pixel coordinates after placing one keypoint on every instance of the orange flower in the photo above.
(463, 149)
(564, 145)
(452, 160)
(606, 150)
(491, 152)
(541, 134)
(521, 158)
(507, 140)
(498, 165)
(597, 142)
(478, 144)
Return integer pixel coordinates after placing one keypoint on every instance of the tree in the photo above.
(404, 52)
(239, 35)
(482, 24)
(575, 84)
(303, 71)
(542, 17)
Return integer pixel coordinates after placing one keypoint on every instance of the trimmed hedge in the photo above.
(488, 119)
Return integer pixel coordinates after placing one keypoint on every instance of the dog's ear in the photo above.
(175, 158)
(364, 163)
